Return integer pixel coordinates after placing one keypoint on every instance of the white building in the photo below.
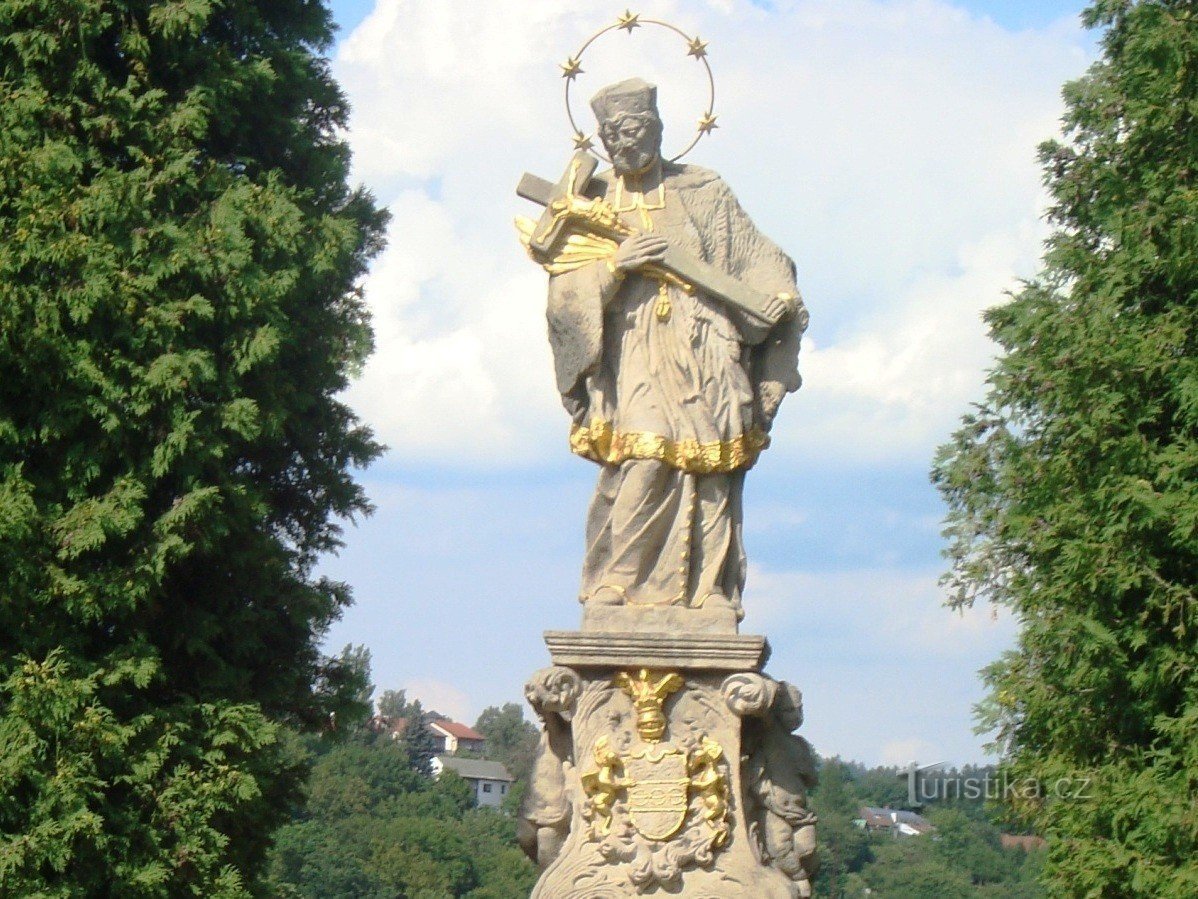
(454, 737)
(489, 780)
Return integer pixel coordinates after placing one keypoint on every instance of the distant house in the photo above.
(450, 736)
(392, 727)
(897, 822)
(489, 780)
(455, 737)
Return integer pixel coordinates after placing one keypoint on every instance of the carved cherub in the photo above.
(544, 820)
(779, 770)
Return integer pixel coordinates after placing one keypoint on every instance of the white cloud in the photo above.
(889, 146)
(896, 608)
(888, 674)
(438, 696)
(898, 382)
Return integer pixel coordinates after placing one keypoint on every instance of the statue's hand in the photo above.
(780, 306)
(769, 397)
(638, 251)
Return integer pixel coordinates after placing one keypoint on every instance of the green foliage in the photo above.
(908, 868)
(374, 828)
(962, 858)
(420, 743)
(966, 844)
(394, 704)
(353, 667)
(510, 738)
(178, 313)
(1073, 489)
(843, 847)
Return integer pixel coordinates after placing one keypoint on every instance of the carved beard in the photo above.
(633, 154)
(632, 157)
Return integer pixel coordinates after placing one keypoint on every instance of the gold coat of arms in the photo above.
(657, 779)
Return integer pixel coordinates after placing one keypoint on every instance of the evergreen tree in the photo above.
(420, 743)
(178, 312)
(1073, 490)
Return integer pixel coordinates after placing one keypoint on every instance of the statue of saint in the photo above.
(672, 389)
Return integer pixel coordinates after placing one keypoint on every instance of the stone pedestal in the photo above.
(667, 763)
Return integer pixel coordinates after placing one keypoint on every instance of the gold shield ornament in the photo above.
(658, 790)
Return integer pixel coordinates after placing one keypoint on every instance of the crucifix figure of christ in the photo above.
(675, 328)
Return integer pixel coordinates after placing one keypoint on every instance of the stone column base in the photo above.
(667, 766)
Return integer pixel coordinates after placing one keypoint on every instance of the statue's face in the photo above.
(633, 141)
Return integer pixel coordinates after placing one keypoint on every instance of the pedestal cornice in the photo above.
(628, 649)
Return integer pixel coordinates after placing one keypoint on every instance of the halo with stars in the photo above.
(629, 20)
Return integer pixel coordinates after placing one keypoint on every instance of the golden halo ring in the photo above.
(628, 21)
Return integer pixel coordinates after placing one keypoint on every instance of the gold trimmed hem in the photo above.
(601, 443)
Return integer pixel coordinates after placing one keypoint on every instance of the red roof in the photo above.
(461, 731)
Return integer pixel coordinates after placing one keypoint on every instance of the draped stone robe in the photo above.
(663, 393)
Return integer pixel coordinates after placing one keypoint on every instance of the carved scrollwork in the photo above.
(553, 690)
(543, 824)
(749, 694)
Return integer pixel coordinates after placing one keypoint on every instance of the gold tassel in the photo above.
(663, 307)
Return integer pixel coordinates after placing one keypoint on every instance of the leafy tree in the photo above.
(908, 868)
(355, 664)
(420, 743)
(886, 787)
(1073, 489)
(973, 847)
(394, 704)
(510, 738)
(843, 847)
(178, 313)
(355, 778)
(372, 827)
(504, 872)
(962, 857)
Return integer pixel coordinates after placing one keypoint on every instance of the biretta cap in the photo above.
(632, 95)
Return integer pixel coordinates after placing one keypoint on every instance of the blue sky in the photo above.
(888, 146)
(1013, 14)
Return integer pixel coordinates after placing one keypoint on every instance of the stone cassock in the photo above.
(668, 761)
(671, 391)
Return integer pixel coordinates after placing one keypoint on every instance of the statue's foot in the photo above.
(608, 595)
(717, 600)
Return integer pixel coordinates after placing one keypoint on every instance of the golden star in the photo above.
(698, 48)
(629, 20)
(707, 124)
(571, 68)
(582, 142)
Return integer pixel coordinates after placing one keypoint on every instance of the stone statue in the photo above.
(672, 387)
(667, 762)
(544, 820)
(780, 769)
